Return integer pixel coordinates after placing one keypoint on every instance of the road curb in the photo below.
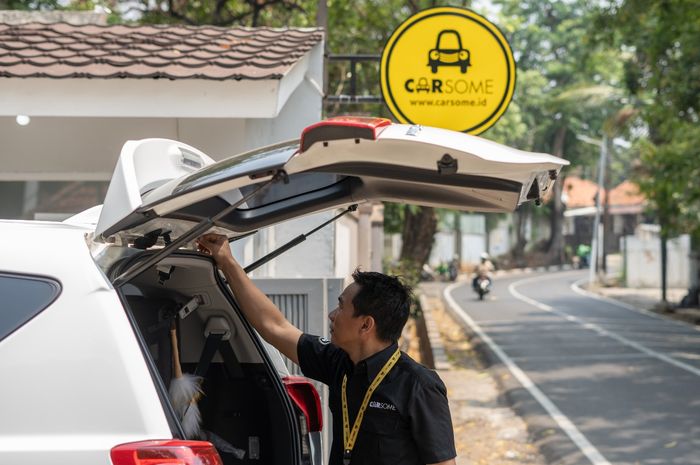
(576, 287)
(434, 340)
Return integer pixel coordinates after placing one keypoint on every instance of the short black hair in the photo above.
(386, 299)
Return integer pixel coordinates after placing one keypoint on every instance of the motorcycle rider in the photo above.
(483, 270)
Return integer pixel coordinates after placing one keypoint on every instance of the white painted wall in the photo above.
(500, 237)
(473, 245)
(346, 242)
(443, 248)
(643, 264)
(73, 148)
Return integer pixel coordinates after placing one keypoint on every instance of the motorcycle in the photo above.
(482, 286)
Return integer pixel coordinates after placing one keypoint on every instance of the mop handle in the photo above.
(176, 355)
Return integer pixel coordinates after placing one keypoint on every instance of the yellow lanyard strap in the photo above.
(349, 437)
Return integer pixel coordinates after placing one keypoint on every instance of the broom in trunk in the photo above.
(185, 391)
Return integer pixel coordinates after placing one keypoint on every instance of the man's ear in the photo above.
(368, 324)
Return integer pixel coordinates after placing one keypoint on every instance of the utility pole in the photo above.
(595, 240)
(607, 223)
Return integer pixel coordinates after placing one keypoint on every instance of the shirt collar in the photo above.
(374, 363)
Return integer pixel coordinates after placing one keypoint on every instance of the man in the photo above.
(483, 269)
(387, 409)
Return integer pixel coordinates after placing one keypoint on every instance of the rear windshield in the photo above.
(23, 297)
(267, 158)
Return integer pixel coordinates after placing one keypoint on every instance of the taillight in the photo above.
(342, 127)
(305, 396)
(165, 452)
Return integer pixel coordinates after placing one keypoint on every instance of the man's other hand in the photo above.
(215, 245)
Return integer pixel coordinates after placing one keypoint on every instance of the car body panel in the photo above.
(118, 400)
(143, 166)
(401, 163)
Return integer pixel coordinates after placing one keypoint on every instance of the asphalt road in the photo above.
(597, 382)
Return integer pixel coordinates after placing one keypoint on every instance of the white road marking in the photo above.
(579, 358)
(588, 449)
(576, 287)
(598, 329)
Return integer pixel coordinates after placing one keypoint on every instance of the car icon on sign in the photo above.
(448, 51)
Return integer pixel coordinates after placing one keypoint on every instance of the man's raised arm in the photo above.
(258, 309)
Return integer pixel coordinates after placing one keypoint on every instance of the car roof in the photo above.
(47, 248)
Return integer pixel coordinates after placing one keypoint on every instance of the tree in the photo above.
(661, 40)
(363, 27)
(554, 56)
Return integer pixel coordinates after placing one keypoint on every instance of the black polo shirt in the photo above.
(407, 420)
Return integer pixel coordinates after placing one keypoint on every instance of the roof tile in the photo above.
(61, 50)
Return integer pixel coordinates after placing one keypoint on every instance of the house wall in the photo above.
(642, 254)
(59, 148)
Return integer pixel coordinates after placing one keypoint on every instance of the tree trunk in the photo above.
(521, 216)
(555, 247)
(419, 228)
(664, 253)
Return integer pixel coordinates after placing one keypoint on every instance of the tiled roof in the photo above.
(581, 193)
(626, 193)
(61, 50)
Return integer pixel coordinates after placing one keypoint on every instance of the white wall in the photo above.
(643, 265)
(473, 245)
(346, 253)
(70, 149)
(499, 237)
(304, 107)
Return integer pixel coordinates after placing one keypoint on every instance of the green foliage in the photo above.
(273, 13)
(393, 217)
(668, 174)
(564, 78)
(661, 44)
(409, 272)
(30, 5)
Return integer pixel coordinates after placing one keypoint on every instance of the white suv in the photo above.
(88, 304)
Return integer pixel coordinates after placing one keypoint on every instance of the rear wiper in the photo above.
(297, 240)
(196, 231)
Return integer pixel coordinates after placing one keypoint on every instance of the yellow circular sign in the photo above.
(448, 67)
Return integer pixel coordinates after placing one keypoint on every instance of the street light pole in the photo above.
(603, 144)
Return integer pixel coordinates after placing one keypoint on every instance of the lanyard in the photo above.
(349, 437)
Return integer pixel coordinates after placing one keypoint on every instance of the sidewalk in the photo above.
(650, 300)
(487, 431)
(645, 299)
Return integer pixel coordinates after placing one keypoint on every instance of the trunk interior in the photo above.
(244, 408)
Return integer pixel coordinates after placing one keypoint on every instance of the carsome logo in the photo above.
(382, 405)
(448, 67)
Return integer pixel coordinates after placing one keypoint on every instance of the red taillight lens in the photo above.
(305, 396)
(165, 452)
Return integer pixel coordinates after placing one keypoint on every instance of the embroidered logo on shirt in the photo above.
(382, 405)
(323, 341)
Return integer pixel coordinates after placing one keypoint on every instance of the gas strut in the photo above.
(297, 240)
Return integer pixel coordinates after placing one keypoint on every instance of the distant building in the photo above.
(626, 209)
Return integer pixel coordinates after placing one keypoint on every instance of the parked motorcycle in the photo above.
(482, 286)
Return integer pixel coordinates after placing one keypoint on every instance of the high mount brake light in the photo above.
(165, 452)
(305, 396)
(342, 127)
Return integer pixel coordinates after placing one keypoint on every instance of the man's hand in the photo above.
(217, 246)
(258, 309)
